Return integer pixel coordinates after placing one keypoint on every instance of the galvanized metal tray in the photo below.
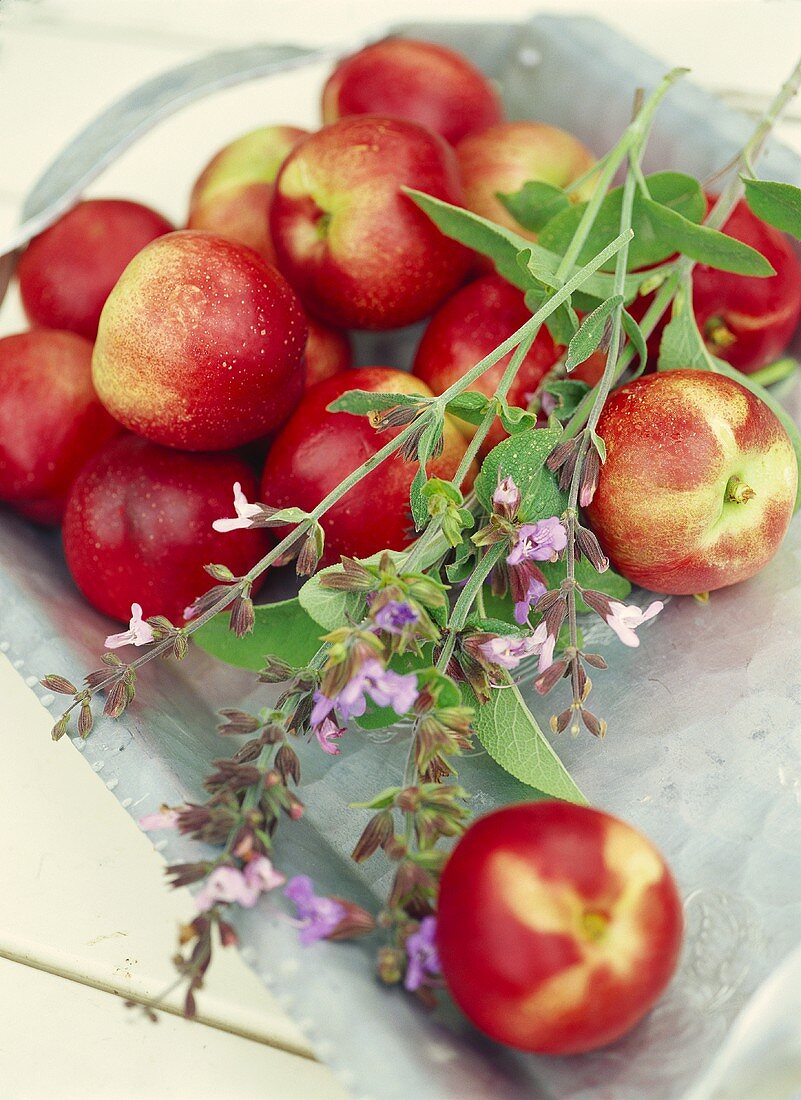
(702, 751)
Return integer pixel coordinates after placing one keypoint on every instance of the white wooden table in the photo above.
(85, 913)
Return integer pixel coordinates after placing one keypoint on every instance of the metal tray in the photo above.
(702, 751)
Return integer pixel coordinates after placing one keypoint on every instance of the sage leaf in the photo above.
(362, 402)
(509, 732)
(535, 204)
(673, 190)
(516, 259)
(778, 204)
(283, 630)
(589, 336)
(637, 341)
(523, 456)
(469, 406)
(705, 245)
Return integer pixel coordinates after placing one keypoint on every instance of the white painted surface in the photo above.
(85, 898)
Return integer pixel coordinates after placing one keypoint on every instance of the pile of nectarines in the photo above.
(221, 342)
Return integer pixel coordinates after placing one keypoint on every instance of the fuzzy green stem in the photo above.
(716, 219)
(775, 372)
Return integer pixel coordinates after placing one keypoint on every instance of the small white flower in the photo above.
(507, 651)
(245, 512)
(138, 633)
(625, 618)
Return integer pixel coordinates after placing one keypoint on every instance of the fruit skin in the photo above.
(138, 527)
(200, 344)
(673, 441)
(414, 80)
(559, 926)
(506, 156)
(316, 449)
(358, 250)
(51, 420)
(232, 194)
(68, 271)
(759, 316)
(328, 351)
(471, 324)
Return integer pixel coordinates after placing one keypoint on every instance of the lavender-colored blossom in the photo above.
(317, 917)
(245, 512)
(326, 733)
(260, 872)
(163, 819)
(138, 633)
(506, 498)
(229, 885)
(394, 616)
(226, 884)
(388, 688)
(385, 687)
(547, 644)
(507, 650)
(625, 618)
(540, 541)
(421, 949)
(534, 592)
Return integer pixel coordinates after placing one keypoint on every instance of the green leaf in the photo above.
(535, 204)
(705, 245)
(682, 345)
(510, 734)
(515, 419)
(589, 336)
(516, 259)
(289, 515)
(672, 189)
(523, 457)
(778, 204)
(362, 402)
(329, 607)
(469, 406)
(569, 394)
(425, 449)
(282, 630)
(637, 341)
(610, 582)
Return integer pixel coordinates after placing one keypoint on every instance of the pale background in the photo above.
(84, 912)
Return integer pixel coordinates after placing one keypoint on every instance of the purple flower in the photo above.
(317, 917)
(546, 644)
(245, 512)
(138, 633)
(229, 885)
(535, 590)
(506, 498)
(226, 884)
(540, 541)
(508, 651)
(260, 872)
(388, 688)
(326, 732)
(385, 687)
(423, 958)
(624, 619)
(394, 616)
